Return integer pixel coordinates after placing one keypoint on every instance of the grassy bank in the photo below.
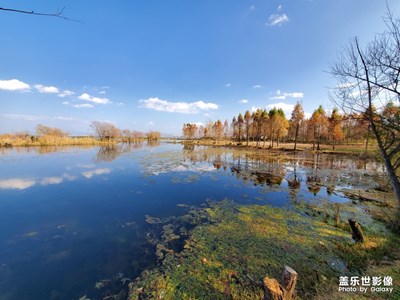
(8, 140)
(353, 149)
(233, 247)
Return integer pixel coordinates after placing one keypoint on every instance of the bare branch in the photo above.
(58, 13)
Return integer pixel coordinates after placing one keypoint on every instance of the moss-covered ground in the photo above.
(230, 248)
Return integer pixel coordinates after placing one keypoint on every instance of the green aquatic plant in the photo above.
(228, 254)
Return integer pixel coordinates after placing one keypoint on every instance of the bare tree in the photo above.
(368, 85)
(105, 131)
(50, 131)
(153, 136)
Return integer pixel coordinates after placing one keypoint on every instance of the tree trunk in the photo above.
(367, 139)
(388, 164)
(272, 289)
(289, 280)
(296, 136)
(358, 235)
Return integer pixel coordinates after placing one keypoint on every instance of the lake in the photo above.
(73, 220)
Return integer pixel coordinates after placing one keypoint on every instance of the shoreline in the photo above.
(341, 149)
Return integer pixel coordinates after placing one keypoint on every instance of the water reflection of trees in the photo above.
(258, 169)
(153, 143)
(111, 152)
(266, 168)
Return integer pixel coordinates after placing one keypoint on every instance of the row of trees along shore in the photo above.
(104, 133)
(269, 128)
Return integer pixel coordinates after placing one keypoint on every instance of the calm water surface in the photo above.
(73, 217)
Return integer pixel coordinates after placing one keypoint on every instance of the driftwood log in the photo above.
(285, 291)
(358, 235)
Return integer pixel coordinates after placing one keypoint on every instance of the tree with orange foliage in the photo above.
(218, 130)
(247, 123)
(296, 121)
(335, 127)
(240, 122)
(189, 131)
(319, 125)
(282, 125)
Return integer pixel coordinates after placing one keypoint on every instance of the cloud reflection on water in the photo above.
(16, 184)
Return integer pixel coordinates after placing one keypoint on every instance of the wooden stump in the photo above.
(358, 235)
(289, 280)
(275, 291)
(272, 289)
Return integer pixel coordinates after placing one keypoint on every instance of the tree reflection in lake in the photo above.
(111, 152)
(267, 168)
(153, 143)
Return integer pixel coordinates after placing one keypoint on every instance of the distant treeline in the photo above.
(262, 125)
(105, 133)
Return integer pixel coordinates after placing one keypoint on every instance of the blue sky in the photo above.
(154, 65)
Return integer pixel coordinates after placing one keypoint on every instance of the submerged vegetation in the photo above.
(233, 247)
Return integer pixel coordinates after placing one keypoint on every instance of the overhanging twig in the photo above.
(58, 13)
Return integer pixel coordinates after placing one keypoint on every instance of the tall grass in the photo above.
(18, 140)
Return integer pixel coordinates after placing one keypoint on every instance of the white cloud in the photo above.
(69, 176)
(177, 107)
(283, 96)
(86, 166)
(294, 95)
(16, 184)
(90, 174)
(279, 8)
(347, 85)
(87, 97)
(102, 92)
(252, 7)
(228, 84)
(46, 89)
(151, 123)
(256, 86)
(65, 118)
(36, 117)
(277, 19)
(120, 103)
(13, 85)
(24, 117)
(66, 93)
(86, 105)
(243, 101)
